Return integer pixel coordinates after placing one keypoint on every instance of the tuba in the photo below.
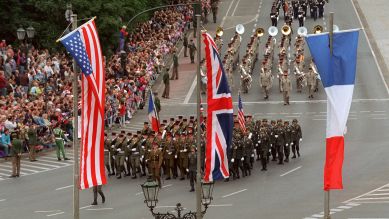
(286, 30)
(273, 31)
(302, 31)
(239, 29)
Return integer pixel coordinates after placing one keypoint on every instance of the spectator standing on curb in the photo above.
(166, 81)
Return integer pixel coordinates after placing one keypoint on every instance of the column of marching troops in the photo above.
(172, 148)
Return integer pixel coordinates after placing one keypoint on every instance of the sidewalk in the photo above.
(375, 19)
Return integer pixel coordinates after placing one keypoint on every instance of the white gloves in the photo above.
(185, 150)
(276, 136)
(291, 143)
(232, 160)
(287, 145)
(242, 159)
(256, 144)
(252, 155)
(169, 153)
(175, 156)
(119, 149)
(113, 146)
(134, 149)
(301, 139)
(187, 170)
(126, 158)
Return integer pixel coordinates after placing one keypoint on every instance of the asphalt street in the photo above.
(290, 191)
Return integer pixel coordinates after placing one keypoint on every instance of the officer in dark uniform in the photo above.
(214, 8)
(127, 153)
(237, 152)
(288, 140)
(301, 17)
(321, 8)
(314, 8)
(273, 146)
(264, 145)
(273, 18)
(296, 135)
(295, 6)
(248, 152)
(192, 51)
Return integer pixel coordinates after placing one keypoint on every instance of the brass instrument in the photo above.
(286, 30)
(302, 31)
(318, 29)
(239, 29)
(273, 31)
(219, 31)
(260, 31)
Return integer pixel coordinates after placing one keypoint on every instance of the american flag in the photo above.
(84, 46)
(219, 113)
(241, 120)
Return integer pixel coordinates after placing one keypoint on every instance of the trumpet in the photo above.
(318, 29)
(286, 30)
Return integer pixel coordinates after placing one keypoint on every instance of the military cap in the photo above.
(168, 134)
(236, 122)
(279, 120)
(177, 135)
(162, 125)
(286, 121)
(113, 133)
(273, 121)
(185, 120)
(153, 132)
(122, 132)
(105, 134)
(121, 135)
(146, 123)
(171, 119)
(180, 117)
(135, 135)
(191, 117)
(177, 123)
(159, 134)
(138, 132)
(155, 144)
(129, 133)
(164, 121)
(294, 120)
(264, 120)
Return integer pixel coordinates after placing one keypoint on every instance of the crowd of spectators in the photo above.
(36, 88)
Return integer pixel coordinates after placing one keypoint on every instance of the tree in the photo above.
(48, 18)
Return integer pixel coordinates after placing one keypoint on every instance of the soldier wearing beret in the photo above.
(154, 161)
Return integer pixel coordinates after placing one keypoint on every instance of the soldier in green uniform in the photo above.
(185, 44)
(237, 151)
(127, 153)
(166, 81)
(16, 152)
(169, 155)
(280, 141)
(288, 140)
(297, 137)
(214, 8)
(59, 141)
(135, 155)
(175, 66)
(154, 160)
(264, 147)
(120, 155)
(146, 129)
(112, 153)
(192, 167)
(192, 51)
(248, 153)
(273, 140)
(183, 155)
(32, 141)
(107, 147)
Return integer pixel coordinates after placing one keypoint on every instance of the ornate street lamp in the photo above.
(150, 191)
(21, 33)
(30, 32)
(69, 12)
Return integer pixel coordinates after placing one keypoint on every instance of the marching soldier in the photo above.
(288, 140)
(286, 87)
(280, 141)
(219, 44)
(112, 152)
(273, 139)
(135, 155)
(107, 147)
(295, 8)
(273, 18)
(311, 82)
(16, 152)
(248, 154)
(97, 189)
(192, 167)
(59, 141)
(120, 155)
(266, 82)
(264, 145)
(127, 153)
(299, 74)
(321, 8)
(183, 155)
(169, 155)
(296, 138)
(146, 129)
(154, 161)
(301, 17)
(237, 151)
(192, 51)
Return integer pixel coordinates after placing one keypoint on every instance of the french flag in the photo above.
(153, 115)
(337, 72)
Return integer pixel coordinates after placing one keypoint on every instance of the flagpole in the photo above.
(327, 192)
(76, 195)
(198, 174)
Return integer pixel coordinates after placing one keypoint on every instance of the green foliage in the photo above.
(48, 18)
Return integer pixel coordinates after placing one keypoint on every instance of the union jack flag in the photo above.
(220, 115)
(241, 120)
(84, 46)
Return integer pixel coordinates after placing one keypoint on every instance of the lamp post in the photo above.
(150, 191)
(21, 33)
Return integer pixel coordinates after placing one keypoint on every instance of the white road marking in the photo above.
(378, 198)
(380, 118)
(139, 193)
(225, 16)
(379, 111)
(292, 116)
(99, 209)
(222, 205)
(234, 193)
(367, 218)
(336, 210)
(383, 190)
(47, 211)
(290, 171)
(371, 49)
(50, 215)
(165, 186)
(378, 114)
(345, 207)
(165, 206)
(47, 165)
(247, 22)
(364, 111)
(65, 187)
(88, 206)
(373, 202)
(365, 194)
(236, 6)
(191, 89)
(2, 200)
